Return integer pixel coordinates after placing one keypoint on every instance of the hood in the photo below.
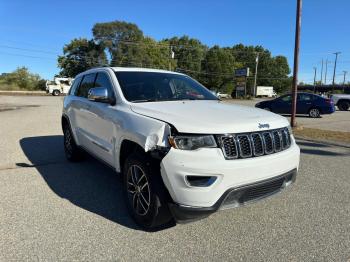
(210, 117)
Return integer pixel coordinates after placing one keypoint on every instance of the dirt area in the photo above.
(319, 134)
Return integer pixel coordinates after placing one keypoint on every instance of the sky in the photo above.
(45, 27)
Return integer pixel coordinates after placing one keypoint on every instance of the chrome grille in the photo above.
(258, 144)
(245, 147)
(268, 141)
(254, 144)
(277, 140)
(229, 147)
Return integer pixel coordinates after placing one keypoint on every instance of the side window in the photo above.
(305, 97)
(102, 80)
(86, 84)
(287, 98)
(74, 86)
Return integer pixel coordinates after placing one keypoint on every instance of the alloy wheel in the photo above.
(314, 112)
(138, 188)
(68, 141)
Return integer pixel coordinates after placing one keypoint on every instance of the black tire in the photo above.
(343, 105)
(314, 113)
(145, 193)
(56, 92)
(72, 151)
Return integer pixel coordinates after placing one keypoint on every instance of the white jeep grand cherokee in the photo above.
(182, 153)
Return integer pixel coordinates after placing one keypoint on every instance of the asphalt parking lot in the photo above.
(52, 210)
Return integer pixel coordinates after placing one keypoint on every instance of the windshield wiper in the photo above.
(143, 100)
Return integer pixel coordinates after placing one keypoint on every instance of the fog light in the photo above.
(201, 181)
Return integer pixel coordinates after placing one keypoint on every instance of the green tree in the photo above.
(156, 55)
(79, 55)
(272, 71)
(189, 54)
(218, 66)
(23, 79)
(122, 40)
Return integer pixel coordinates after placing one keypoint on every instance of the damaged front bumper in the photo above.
(235, 197)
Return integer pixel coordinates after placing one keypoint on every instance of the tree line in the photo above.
(119, 43)
(21, 79)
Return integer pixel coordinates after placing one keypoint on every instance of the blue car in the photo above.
(310, 104)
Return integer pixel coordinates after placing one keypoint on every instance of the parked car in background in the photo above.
(307, 103)
(265, 91)
(342, 101)
(60, 85)
(222, 95)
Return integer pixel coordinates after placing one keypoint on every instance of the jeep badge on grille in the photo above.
(264, 125)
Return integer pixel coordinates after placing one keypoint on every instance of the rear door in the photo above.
(304, 103)
(81, 110)
(282, 105)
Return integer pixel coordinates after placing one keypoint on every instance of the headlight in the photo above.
(192, 142)
(290, 129)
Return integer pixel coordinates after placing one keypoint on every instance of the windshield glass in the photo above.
(150, 87)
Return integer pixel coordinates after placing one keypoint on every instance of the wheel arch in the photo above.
(343, 100)
(127, 147)
(64, 122)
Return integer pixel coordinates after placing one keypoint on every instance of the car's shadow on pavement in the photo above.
(315, 148)
(89, 185)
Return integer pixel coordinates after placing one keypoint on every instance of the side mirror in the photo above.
(99, 94)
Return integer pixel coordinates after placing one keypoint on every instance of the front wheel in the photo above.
(145, 193)
(343, 105)
(314, 113)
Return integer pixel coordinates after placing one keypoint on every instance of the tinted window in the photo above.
(86, 84)
(102, 80)
(149, 86)
(287, 98)
(305, 97)
(74, 86)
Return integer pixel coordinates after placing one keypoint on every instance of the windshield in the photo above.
(151, 87)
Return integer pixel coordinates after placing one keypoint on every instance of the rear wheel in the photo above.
(145, 193)
(72, 151)
(314, 113)
(343, 105)
(56, 92)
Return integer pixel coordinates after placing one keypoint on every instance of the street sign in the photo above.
(242, 72)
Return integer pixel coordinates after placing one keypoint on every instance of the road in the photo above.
(54, 210)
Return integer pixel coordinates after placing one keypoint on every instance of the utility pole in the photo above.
(321, 72)
(172, 56)
(335, 67)
(296, 62)
(325, 73)
(315, 68)
(345, 72)
(256, 73)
